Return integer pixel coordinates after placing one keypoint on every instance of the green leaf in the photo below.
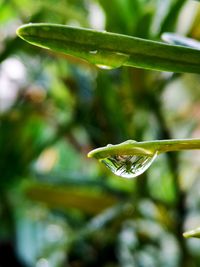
(171, 19)
(147, 148)
(192, 233)
(109, 50)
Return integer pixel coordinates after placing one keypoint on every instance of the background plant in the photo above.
(56, 205)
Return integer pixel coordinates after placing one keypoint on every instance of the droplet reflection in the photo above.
(104, 67)
(129, 166)
(94, 52)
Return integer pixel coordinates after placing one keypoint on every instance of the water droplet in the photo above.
(107, 60)
(129, 166)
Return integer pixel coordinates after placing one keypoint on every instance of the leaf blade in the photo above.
(111, 49)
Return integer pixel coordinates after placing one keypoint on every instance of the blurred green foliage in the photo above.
(58, 208)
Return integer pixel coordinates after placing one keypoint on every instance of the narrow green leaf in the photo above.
(147, 148)
(192, 233)
(109, 50)
(169, 24)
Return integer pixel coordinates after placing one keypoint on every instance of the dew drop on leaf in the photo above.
(107, 60)
(129, 166)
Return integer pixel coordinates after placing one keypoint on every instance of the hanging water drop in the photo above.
(129, 166)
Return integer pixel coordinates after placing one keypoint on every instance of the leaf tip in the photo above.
(192, 233)
(21, 30)
(90, 154)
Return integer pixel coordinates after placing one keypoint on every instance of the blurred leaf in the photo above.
(79, 181)
(60, 197)
(166, 15)
(176, 39)
(122, 16)
(170, 20)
